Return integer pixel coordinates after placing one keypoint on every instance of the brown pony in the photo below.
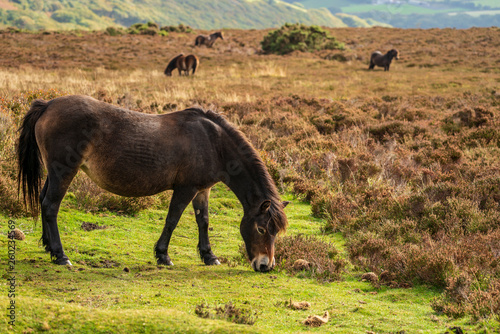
(207, 40)
(377, 58)
(183, 63)
(134, 154)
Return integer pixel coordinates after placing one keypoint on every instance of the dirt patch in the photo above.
(228, 312)
(86, 226)
(104, 264)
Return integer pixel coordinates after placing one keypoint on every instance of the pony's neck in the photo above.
(248, 180)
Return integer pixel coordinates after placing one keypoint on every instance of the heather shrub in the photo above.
(411, 200)
(322, 259)
(299, 37)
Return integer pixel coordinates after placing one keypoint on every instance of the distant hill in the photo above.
(204, 14)
(415, 13)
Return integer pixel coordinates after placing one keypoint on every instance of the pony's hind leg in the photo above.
(57, 184)
(180, 200)
(45, 231)
(200, 205)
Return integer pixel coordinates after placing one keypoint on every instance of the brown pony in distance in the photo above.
(207, 40)
(377, 58)
(134, 154)
(183, 64)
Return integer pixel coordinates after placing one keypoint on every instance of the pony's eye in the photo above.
(261, 230)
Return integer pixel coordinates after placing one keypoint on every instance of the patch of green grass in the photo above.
(115, 285)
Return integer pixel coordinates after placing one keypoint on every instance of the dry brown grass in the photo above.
(404, 163)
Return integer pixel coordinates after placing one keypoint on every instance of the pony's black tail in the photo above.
(196, 42)
(28, 158)
(195, 65)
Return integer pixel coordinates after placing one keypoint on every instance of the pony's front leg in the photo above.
(200, 205)
(180, 199)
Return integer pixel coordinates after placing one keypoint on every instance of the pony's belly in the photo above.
(130, 184)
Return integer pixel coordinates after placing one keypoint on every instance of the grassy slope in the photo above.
(92, 299)
(198, 14)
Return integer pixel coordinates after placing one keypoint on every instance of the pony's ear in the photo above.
(264, 207)
(285, 203)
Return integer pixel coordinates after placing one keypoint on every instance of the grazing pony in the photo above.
(377, 58)
(134, 154)
(207, 40)
(183, 63)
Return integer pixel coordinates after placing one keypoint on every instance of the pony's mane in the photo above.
(172, 64)
(259, 170)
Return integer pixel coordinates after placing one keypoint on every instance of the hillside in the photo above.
(99, 14)
(459, 14)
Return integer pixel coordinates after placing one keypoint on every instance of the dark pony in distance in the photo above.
(377, 58)
(183, 64)
(207, 40)
(135, 154)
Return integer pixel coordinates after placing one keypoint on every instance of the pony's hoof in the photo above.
(212, 262)
(63, 262)
(164, 262)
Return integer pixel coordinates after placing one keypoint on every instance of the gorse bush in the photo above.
(149, 28)
(179, 28)
(299, 37)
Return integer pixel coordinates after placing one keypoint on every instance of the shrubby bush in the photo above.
(149, 28)
(179, 28)
(299, 37)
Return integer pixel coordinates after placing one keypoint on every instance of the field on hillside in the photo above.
(395, 173)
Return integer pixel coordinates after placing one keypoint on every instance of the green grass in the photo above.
(88, 298)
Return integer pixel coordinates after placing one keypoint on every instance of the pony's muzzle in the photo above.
(262, 263)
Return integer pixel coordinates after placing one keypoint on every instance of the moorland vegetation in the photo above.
(99, 14)
(404, 164)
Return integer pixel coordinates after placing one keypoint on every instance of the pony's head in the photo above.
(259, 228)
(218, 34)
(394, 53)
(172, 65)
